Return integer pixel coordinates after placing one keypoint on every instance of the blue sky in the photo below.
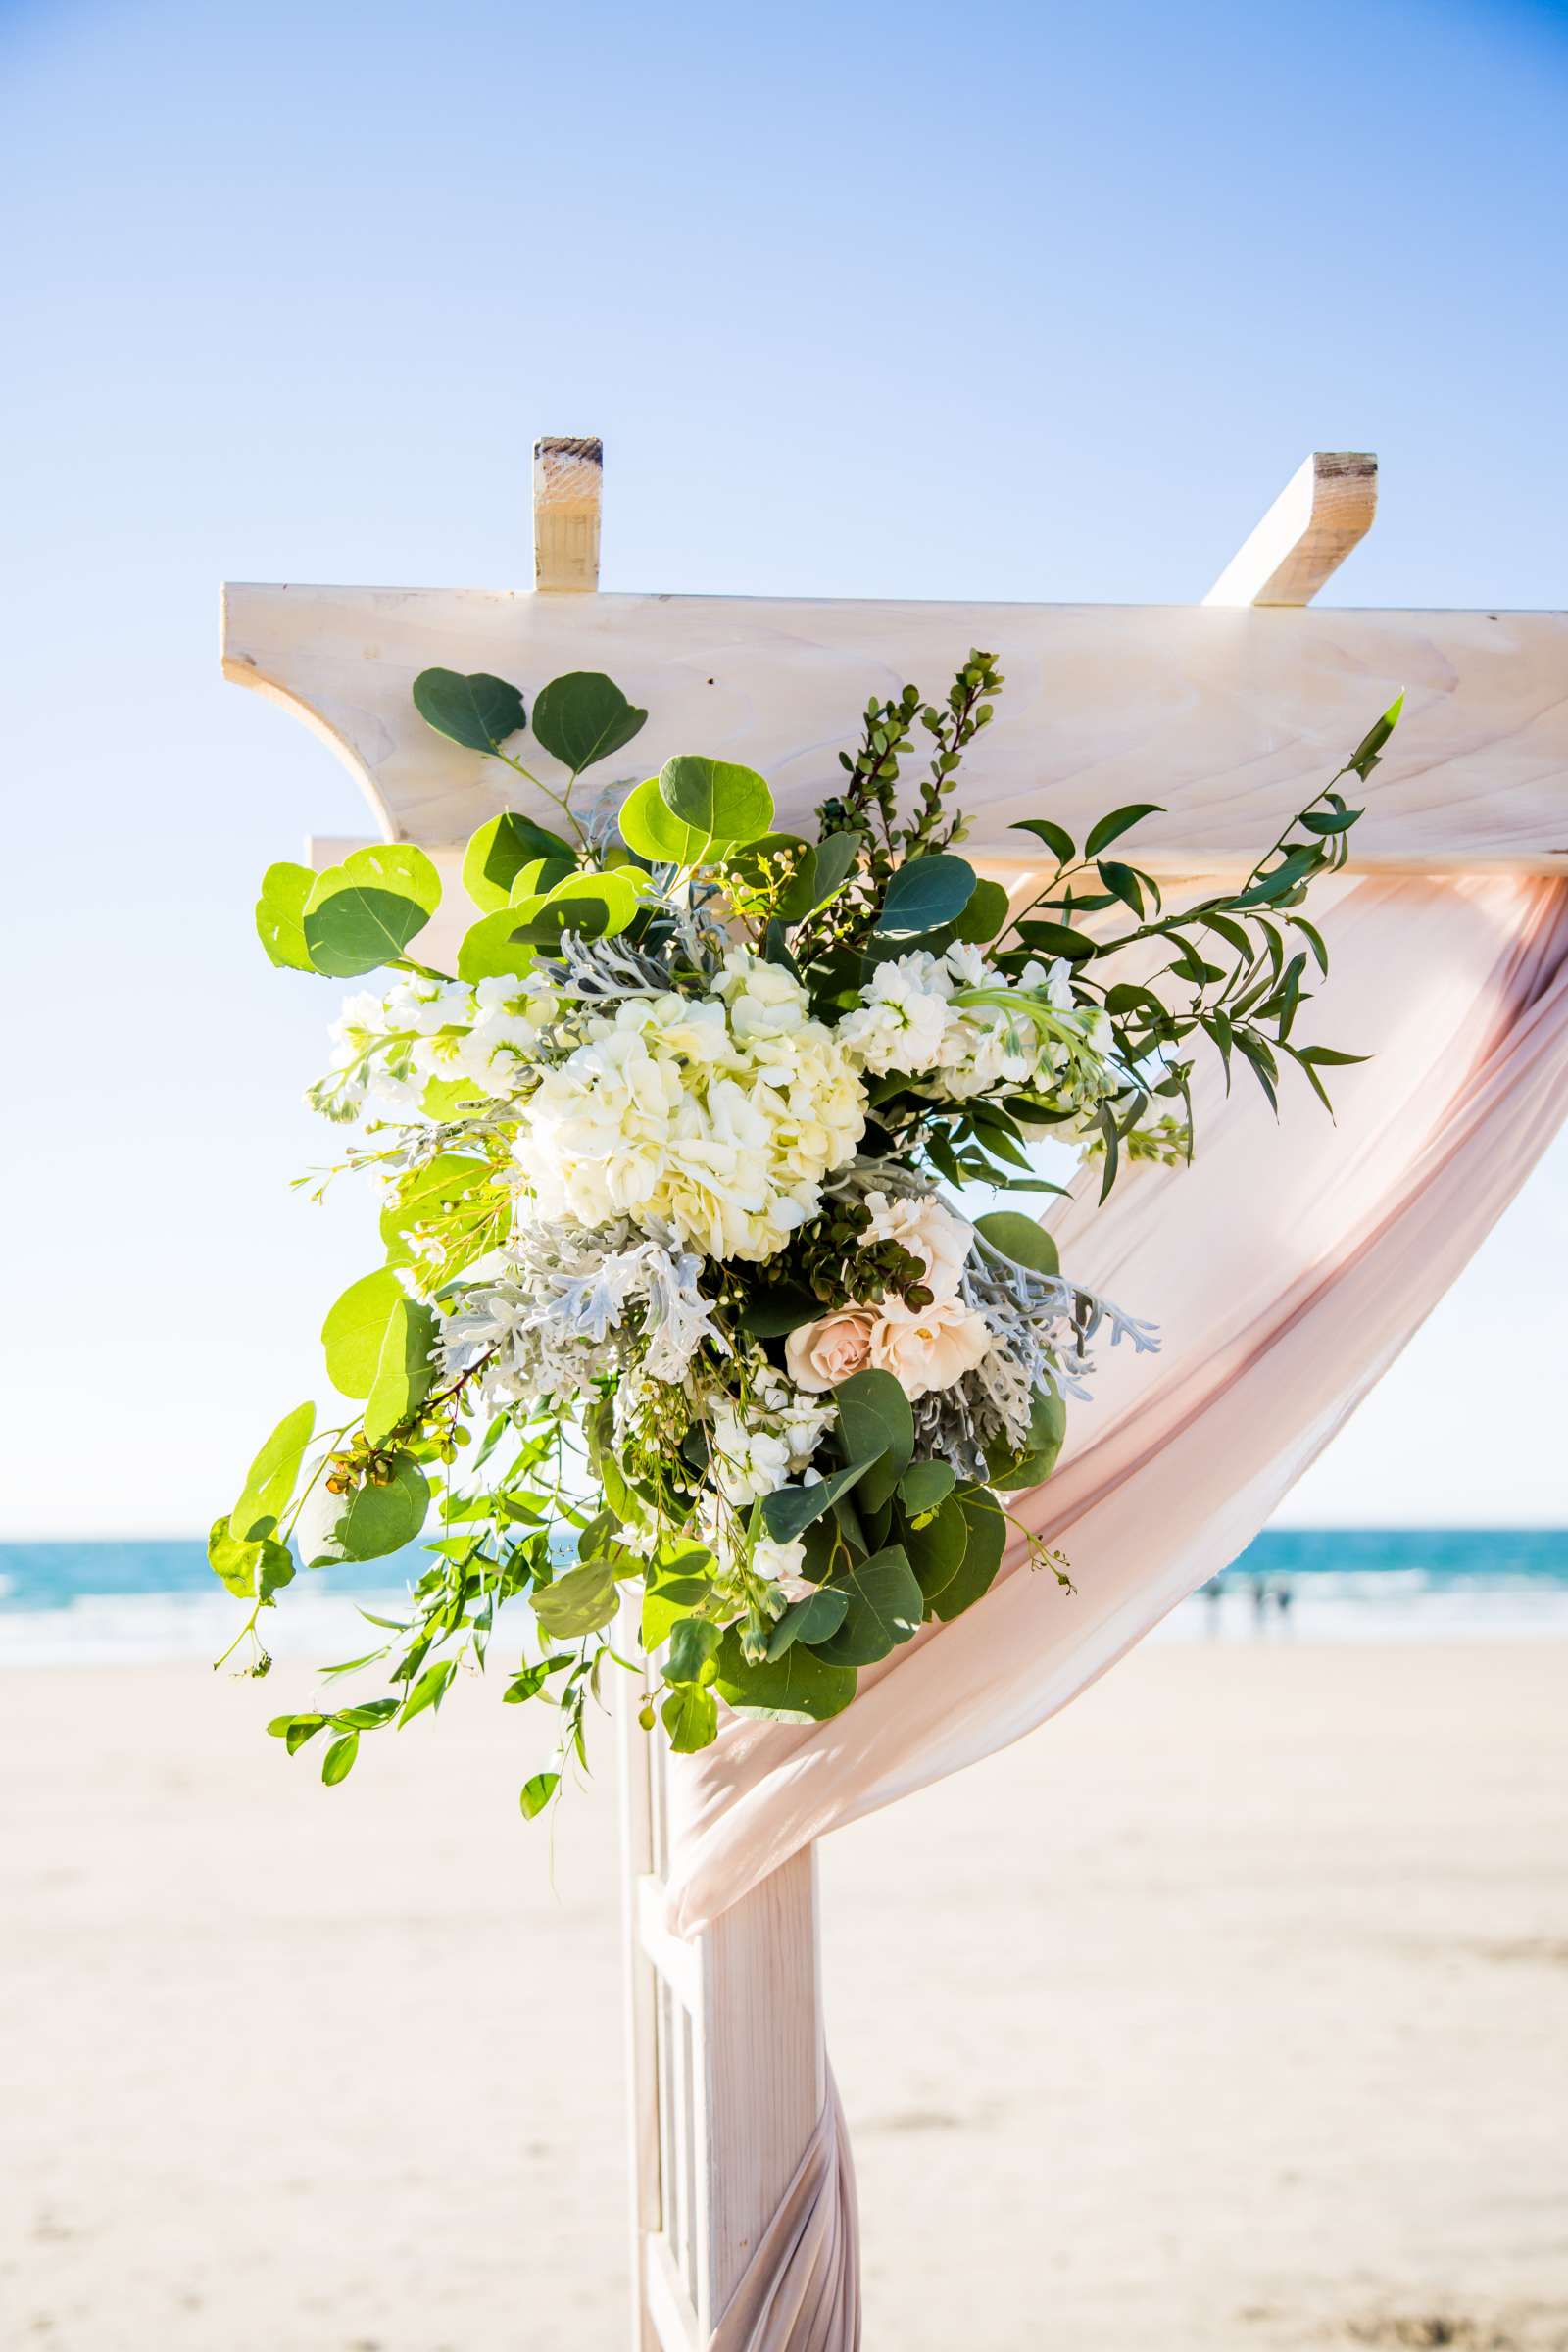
(999, 300)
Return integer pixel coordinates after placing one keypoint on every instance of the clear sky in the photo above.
(1001, 300)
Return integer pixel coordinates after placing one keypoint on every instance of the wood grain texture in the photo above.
(1230, 717)
(762, 2066)
(568, 489)
(1324, 510)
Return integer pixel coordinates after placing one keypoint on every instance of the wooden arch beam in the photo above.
(1324, 510)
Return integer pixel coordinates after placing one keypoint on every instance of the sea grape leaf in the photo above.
(584, 717)
(478, 712)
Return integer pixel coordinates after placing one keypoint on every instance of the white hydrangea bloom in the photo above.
(718, 1117)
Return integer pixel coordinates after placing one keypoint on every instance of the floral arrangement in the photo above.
(684, 1331)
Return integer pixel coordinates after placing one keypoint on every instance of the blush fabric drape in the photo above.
(1285, 1268)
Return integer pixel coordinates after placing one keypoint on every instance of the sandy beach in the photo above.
(1232, 2010)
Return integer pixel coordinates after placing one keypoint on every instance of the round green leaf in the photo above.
(816, 1618)
(584, 717)
(885, 1607)
(494, 947)
(365, 1525)
(579, 1602)
(499, 850)
(478, 712)
(988, 1540)
(364, 912)
(648, 827)
(691, 1718)
(835, 860)
(985, 916)
(270, 1480)
(280, 915)
(231, 1560)
(800, 1687)
(404, 1374)
(1020, 1237)
(924, 893)
(1048, 1429)
(355, 1328)
(539, 877)
(719, 800)
(876, 1421)
(936, 1550)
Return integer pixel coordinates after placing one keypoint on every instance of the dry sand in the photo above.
(1230, 2010)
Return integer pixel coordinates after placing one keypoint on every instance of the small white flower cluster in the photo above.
(907, 1022)
(757, 1449)
(717, 1117)
(388, 1048)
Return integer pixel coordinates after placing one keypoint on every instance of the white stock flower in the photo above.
(903, 1013)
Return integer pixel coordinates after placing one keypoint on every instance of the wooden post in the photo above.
(568, 484)
(1324, 510)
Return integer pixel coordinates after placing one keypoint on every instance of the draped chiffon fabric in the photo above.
(1286, 1267)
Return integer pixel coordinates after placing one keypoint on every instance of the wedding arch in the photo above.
(1287, 1280)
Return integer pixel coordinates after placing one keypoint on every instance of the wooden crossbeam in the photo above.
(1229, 717)
(1324, 510)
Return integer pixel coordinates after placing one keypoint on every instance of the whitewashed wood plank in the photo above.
(1228, 718)
(1324, 510)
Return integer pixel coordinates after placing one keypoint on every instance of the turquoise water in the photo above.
(95, 1602)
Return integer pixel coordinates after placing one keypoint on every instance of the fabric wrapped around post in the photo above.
(1287, 1268)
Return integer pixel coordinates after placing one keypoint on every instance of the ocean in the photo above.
(97, 1603)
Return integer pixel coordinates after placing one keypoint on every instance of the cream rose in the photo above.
(931, 1347)
(820, 1354)
(929, 1232)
